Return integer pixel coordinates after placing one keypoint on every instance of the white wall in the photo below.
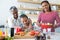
(4, 9)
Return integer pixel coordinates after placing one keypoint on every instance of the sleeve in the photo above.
(57, 19)
(39, 17)
(10, 23)
(30, 23)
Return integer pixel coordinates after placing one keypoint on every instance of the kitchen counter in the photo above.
(55, 36)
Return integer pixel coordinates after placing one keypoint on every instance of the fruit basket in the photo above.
(47, 25)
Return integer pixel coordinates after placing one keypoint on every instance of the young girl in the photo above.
(27, 23)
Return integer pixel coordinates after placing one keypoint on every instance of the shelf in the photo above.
(36, 9)
(33, 17)
(30, 9)
(27, 1)
(58, 10)
(55, 4)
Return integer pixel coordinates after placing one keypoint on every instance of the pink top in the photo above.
(49, 18)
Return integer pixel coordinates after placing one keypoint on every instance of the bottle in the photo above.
(48, 33)
(44, 31)
(41, 37)
(44, 36)
(6, 32)
(37, 38)
(0, 32)
(12, 32)
(3, 30)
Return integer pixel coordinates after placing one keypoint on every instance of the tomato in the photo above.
(36, 33)
(22, 33)
(18, 30)
(32, 33)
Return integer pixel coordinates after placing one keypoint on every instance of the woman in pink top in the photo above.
(48, 16)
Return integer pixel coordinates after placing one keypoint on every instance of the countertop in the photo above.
(55, 36)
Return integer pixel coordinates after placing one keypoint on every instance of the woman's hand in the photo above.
(39, 24)
(55, 25)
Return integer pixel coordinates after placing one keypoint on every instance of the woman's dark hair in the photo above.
(23, 15)
(48, 3)
(14, 8)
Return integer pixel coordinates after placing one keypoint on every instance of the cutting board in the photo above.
(23, 37)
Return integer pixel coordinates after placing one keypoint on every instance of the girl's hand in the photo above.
(17, 27)
(30, 21)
